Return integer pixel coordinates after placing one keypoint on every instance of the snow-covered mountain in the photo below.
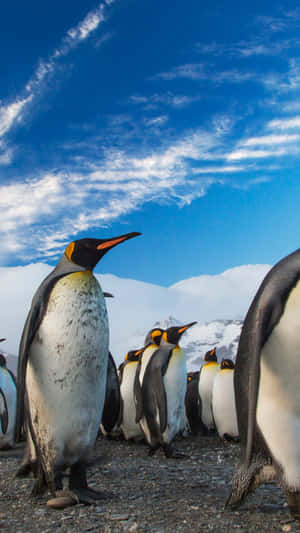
(196, 341)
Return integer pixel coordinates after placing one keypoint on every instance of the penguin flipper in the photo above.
(111, 409)
(3, 413)
(138, 395)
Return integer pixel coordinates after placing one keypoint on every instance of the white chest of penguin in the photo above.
(278, 404)
(175, 387)
(66, 374)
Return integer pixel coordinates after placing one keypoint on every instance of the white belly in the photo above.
(146, 357)
(129, 427)
(223, 403)
(175, 387)
(66, 373)
(207, 376)
(278, 405)
(9, 390)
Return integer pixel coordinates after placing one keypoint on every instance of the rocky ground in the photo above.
(148, 494)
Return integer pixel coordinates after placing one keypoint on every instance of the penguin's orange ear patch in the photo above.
(69, 250)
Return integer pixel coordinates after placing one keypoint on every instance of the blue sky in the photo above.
(181, 121)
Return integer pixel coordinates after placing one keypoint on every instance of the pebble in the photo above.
(286, 527)
(118, 517)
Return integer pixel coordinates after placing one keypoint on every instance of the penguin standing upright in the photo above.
(223, 401)
(193, 403)
(163, 392)
(8, 405)
(206, 379)
(112, 403)
(127, 373)
(63, 365)
(152, 341)
(267, 387)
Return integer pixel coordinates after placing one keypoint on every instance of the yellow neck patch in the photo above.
(69, 250)
(211, 363)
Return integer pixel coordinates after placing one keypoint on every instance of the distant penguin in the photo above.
(163, 392)
(127, 373)
(206, 379)
(63, 366)
(8, 405)
(112, 403)
(193, 403)
(223, 401)
(152, 341)
(267, 387)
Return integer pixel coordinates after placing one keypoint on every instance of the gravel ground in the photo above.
(148, 494)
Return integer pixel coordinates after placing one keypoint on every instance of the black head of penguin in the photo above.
(193, 376)
(88, 252)
(154, 336)
(172, 335)
(227, 364)
(211, 356)
(133, 355)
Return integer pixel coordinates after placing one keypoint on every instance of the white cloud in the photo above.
(136, 305)
(267, 140)
(238, 155)
(96, 194)
(285, 123)
(12, 112)
(167, 99)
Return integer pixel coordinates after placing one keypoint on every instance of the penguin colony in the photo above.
(68, 388)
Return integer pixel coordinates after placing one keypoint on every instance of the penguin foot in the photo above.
(24, 470)
(230, 438)
(63, 499)
(78, 485)
(293, 499)
(88, 496)
(172, 453)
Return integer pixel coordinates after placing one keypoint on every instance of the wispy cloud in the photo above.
(203, 72)
(62, 204)
(12, 112)
(167, 99)
(285, 123)
(238, 155)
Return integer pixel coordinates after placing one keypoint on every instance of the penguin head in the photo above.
(133, 355)
(154, 336)
(191, 376)
(173, 334)
(211, 356)
(227, 364)
(88, 252)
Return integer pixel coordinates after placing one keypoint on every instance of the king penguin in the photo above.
(163, 392)
(151, 343)
(267, 387)
(62, 368)
(223, 401)
(193, 403)
(206, 379)
(8, 405)
(127, 373)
